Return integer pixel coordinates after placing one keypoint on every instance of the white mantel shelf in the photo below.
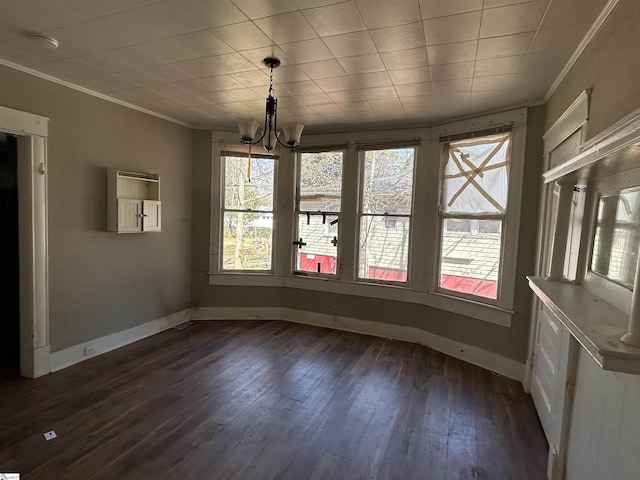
(596, 324)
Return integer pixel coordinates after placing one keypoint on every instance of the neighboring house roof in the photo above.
(466, 254)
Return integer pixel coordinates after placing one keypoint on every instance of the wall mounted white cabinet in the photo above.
(133, 202)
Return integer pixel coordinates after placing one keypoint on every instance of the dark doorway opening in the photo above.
(9, 259)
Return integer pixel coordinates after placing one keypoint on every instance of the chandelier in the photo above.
(270, 134)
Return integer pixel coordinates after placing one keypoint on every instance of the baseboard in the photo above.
(468, 353)
(76, 354)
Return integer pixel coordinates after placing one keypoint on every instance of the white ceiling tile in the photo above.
(326, 108)
(537, 83)
(168, 89)
(336, 84)
(550, 61)
(373, 79)
(109, 61)
(173, 18)
(386, 105)
(414, 89)
(307, 51)
(286, 28)
(253, 9)
(519, 18)
(355, 106)
(32, 16)
(135, 57)
(502, 3)
(346, 96)
(379, 93)
(452, 52)
(505, 46)
(89, 9)
(96, 36)
(323, 69)
(242, 94)
(298, 88)
(362, 64)
(383, 13)
(253, 79)
(452, 29)
(242, 36)
(498, 66)
(402, 37)
(296, 110)
(140, 77)
(168, 73)
(350, 44)
(410, 76)
(440, 8)
(132, 27)
(452, 70)
(316, 99)
(69, 69)
(452, 86)
(289, 73)
(114, 81)
(416, 57)
(493, 82)
(559, 38)
(335, 19)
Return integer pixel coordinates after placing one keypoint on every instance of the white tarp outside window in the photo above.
(476, 176)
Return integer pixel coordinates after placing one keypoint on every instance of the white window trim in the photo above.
(517, 119)
(298, 159)
(421, 285)
(361, 157)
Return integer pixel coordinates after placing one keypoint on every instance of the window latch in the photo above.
(334, 242)
(299, 243)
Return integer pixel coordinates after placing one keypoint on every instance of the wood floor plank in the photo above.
(270, 400)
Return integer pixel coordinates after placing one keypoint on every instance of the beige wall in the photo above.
(509, 342)
(102, 282)
(610, 67)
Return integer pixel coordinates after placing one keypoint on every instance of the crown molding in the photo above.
(595, 28)
(88, 91)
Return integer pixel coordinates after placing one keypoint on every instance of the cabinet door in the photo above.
(129, 215)
(151, 219)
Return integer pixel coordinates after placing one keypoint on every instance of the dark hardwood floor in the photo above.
(270, 400)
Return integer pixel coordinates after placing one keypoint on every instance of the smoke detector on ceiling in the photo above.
(44, 42)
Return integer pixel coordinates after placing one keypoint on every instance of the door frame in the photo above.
(32, 132)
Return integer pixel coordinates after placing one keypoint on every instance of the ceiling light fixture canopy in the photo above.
(270, 134)
(44, 42)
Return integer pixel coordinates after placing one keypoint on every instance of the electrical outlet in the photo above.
(90, 350)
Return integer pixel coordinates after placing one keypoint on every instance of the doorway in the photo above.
(9, 258)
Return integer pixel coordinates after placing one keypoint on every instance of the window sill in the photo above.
(595, 324)
(469, 308)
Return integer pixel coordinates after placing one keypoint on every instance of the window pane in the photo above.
(320, 181)
(248, 185)
(320, 252)
(247, 239)
(384, 246)
(476, 176)
(615, 245)
(387, 181)
(470, 260)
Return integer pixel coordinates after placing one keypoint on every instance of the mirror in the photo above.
(617, 236)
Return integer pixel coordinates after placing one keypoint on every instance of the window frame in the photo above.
(237, 152)
(442, 217)
(297, 212)
(516, 122)
(360, 214)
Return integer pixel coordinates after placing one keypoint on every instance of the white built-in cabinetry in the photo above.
(584, 378)
(133, 202)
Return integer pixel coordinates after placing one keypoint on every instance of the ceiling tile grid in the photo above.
(345, 63)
